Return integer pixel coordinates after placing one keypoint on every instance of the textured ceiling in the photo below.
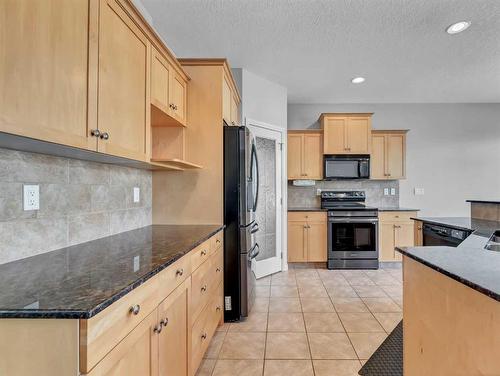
(314, 47)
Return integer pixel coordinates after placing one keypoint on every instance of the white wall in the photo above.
(453, 150)
(262, 100)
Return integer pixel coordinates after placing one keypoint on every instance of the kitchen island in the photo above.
(451, 311)
(129, 304)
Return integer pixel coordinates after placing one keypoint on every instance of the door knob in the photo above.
(95, 133)
(179, 272)
(104, 136)
(135, 309)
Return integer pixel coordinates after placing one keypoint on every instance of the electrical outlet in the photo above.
(318, 192)
(419, 191)
(31, 197)
(386, 191)
(137, 194)
(393, 191)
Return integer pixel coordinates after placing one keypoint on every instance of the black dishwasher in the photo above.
(436, 235)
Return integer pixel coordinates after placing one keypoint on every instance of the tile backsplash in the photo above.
(374, 190)
(79, 201)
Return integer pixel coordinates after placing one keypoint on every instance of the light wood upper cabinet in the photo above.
(388, 156)
(160, 82)
(305, 157)
(307, 237)
(44, 70)
(226, 101)
(123, 87)
(235, 119)
(346, 133)
(179, 97)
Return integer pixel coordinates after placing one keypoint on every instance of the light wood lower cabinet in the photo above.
(396, 229)
(307, 237)
(419, 233)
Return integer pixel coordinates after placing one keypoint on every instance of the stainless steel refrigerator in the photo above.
(241, 195)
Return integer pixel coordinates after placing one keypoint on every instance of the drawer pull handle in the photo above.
(179, 272)
(204, 288)
(218, 308)
(204, 336)
(204, 253)
(158, 328)
(165, 322)
(135, 309)
(217, 270)
(217, 241)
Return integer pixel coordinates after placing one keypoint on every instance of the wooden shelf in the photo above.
(176, 163)
(160, 117)
(164, 166)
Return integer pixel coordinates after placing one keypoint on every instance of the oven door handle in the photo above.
(353, 220)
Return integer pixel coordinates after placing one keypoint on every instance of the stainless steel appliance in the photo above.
(241, 194)
(352, 230)
(346, 167)
(435, 235)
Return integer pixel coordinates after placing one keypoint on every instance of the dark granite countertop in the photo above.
(396, 208)
(484, 201)
(82, 280)
(474, 267)
(303, 208)
(479, 227)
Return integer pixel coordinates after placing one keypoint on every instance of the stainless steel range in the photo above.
(352, 230)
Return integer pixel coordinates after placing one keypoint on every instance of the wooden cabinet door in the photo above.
(178, 95)
(386, 242)
(316, 242)
(135, 355)
(377, 161)
(234, 111)
(160, 82)
(334, 136)
(294, 156)
(44, 70)
(123, 100)
(226, 101)
(297, 251)
(419, 233)
(313, 156)
(395, 150)
(173, 339)
(358, 135)
(404, 237)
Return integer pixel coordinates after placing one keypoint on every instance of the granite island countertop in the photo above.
(475, 267)
(78, 282)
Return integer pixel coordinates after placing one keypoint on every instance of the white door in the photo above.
(268, 212)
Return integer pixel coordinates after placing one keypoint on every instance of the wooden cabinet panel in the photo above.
(334, 136)
(404, 237)
(396, 230)
(317, 242)
(173, 339)
(386, 242)
(297, 242)
(396, 156)
(419, 233)
(377, 160)
(358, 135)
(135, 355)
(313, 156)
(234, 111)
(178, 96)
(160, 81)
(226, 101)
(123, 96)
(294, 156)
(44, 70)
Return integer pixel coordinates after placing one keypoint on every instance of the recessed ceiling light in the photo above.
(358, 80)
(458, 27)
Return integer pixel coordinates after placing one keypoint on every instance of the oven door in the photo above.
(353, 238)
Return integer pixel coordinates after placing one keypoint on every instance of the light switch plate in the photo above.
(137, 194)
(386, 191)
(31, 197)
(419, 191)
(137, 263)
(393, 191)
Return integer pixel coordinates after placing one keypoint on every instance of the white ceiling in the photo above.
(315, 47)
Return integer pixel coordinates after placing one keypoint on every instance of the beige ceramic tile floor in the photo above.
(309, 321)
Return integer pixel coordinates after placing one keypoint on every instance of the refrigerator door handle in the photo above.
(254, 252)
(255, 179)
(255, 228)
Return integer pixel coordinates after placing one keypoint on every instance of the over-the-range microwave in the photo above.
(346, 167)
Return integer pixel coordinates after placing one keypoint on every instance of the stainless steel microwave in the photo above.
(346, 167)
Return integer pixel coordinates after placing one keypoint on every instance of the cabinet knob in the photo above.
(204, 336)
(217, 270)
(218, 308)
(179, 272)
(204, 288)
(158, 328)
(104, 136)
(171, 105)
(217, 241)
(135, 309)
(95, 133)
(204, 252)
(164, 322)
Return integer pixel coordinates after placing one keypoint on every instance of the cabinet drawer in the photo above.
(201, 254)
(216, 240)
(309, 216)
(396, 216)
(173, 276)
(99, 334)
